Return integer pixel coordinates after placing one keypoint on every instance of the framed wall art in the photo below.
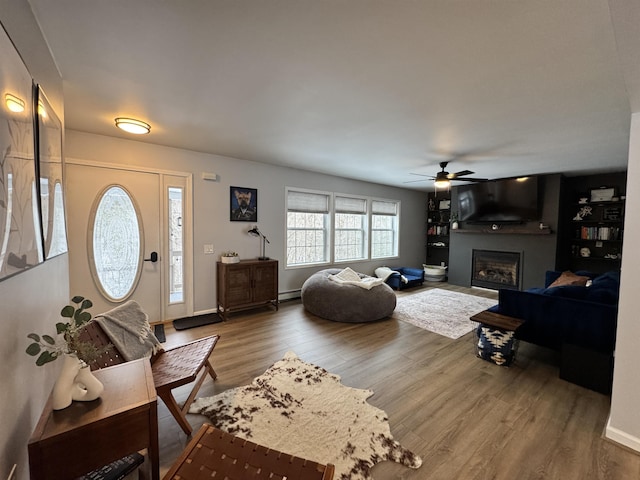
(603, 194)
(243, 204)
(444, 204)
(52, 210)
(20, 235)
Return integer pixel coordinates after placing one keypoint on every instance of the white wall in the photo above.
(30, 301)
(624, 421)
(211, 205)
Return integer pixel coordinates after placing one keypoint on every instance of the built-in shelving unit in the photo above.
(597, 233)
(593, 227)
(438, 228)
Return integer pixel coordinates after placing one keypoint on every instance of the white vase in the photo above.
(86, 386)
(75, 382)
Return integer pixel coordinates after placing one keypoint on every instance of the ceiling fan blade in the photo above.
(422, 175)
(422, 180)
(469, 179)
(460, 174)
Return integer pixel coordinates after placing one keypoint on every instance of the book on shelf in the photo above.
(600, 233)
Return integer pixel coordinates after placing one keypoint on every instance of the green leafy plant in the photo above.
(48, 348)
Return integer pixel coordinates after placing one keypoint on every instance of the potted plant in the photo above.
(230, 257)
(75, 382)
(48, 348)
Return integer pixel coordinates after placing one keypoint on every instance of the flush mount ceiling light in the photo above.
(14, 103)
(131, 125)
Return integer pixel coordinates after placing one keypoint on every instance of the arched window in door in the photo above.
(115, 243)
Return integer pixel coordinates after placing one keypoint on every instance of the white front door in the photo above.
(119, 246)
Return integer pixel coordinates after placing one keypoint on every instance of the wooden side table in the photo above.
(497, 320)
(87, 435)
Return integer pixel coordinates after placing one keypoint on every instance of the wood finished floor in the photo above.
(468, 419)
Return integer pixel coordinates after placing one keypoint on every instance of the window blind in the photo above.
(307, 202)
(379, 207)
(350, 205)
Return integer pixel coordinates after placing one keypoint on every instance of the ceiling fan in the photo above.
(443, 178)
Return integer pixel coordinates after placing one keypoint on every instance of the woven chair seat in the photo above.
(179, 366)
(213, 453)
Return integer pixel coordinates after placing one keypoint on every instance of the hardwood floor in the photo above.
(467, 418)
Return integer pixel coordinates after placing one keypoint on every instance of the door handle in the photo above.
(152, 258)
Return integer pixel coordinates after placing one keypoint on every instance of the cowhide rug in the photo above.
(441, 311)
(303, 410)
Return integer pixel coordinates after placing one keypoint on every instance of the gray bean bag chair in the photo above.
(346, 303)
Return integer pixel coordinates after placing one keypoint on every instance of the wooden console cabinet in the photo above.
(87, 435)
(246, 284)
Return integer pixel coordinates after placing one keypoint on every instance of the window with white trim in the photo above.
(350, 228)
(307, 227)
(384, 228)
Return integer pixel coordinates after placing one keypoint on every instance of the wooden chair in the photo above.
(213, 453)
(171, 368)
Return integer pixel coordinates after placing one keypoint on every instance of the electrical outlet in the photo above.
(208, 249)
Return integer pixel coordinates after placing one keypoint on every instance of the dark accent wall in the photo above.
(538, 250)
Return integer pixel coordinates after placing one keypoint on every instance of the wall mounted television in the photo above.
(508, 200)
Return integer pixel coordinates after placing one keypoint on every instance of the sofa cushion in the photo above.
(569, 291)
(570, 278)
(605, 288)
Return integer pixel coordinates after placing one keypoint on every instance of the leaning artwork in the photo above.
(20, 234)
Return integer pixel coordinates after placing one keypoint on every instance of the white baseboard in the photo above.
(621, 437)
(290, 295)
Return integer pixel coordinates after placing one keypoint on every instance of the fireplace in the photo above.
(494, 269)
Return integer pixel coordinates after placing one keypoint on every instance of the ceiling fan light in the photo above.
(14, 103)
(442, 183)
(131, 125)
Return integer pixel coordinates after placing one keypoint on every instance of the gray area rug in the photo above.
(303, 410)
(441, 311)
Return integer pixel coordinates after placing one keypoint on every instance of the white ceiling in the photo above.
(376, 90)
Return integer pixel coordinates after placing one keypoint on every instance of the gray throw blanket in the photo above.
(127, 326)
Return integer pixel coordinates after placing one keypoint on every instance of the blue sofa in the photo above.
(414, 276)
(584, 316)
